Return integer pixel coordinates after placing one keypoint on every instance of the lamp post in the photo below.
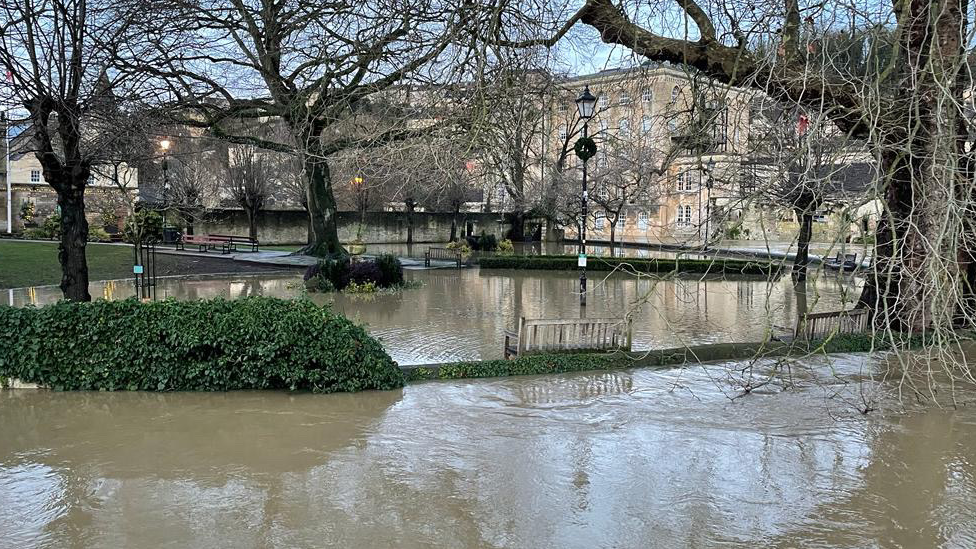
(585, 149)
(708, 200)
(164, 144)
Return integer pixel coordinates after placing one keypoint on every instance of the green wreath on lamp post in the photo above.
(585, 148)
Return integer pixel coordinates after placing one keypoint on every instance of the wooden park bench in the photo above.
(577, 334)
(236, 239)
(848, 262)
(205, 242)
(444, 254)
(823, 325)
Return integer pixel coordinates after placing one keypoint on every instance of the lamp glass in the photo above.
(586, 104)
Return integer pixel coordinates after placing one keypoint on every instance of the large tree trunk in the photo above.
(74, 238)
(517, 220)
(454, 225)
(252, 223)
(613, 234)
(922, 166)
(324, 233)
(802, 260)
(410, 206)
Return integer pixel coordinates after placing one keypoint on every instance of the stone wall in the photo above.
(291, 226)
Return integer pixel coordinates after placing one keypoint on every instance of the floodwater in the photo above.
(462, 315)
(623, 459)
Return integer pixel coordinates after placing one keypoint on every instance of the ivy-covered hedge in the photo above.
(215, 345)
(650, 265)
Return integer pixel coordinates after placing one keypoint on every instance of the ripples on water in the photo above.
(616, 459)
(462, 315)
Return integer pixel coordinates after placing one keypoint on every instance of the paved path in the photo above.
(288, 259)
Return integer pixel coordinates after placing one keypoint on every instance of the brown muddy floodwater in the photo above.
(625, 459)
(462, 315)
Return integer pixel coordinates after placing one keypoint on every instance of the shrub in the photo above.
(215, 345)
(51, 227)
(461, 246)
(361, 288)
(569, 263)
(391, 270)
(98, 234)
(362, 272)
(27, 212)
(483, 243)
(145, 223)
(505, 247)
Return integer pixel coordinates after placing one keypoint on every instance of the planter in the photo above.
(356, 248)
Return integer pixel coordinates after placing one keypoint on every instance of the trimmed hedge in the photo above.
(651, 265)
(215, 345)
(554, 363)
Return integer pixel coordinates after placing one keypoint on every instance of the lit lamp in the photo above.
(164, 145)
(585, 149)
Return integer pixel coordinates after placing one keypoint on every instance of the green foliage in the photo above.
(27, 212)
(391, 270)
(654, 265)
(505, 247)
(145, 224)
(50, 228)
(523, 365)
(483, 243)
(365, 276)
(98, 234)
(215, 345)
(368, 287)
(461, 246)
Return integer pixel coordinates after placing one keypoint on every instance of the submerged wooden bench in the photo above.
(541, 335)
(822, 325)
(442, 254)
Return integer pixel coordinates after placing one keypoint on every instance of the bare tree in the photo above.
(904, 91)
(60, 59)
(319, 68)
(251, 180)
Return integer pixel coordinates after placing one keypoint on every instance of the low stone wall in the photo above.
(291, 226)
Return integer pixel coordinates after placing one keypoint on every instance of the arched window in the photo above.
(674, 93)
(598, 219)
(624, 126)
(642, 221)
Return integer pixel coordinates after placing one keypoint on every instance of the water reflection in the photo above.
(618, 459)
(462, 315)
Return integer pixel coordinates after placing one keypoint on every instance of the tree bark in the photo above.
(613, 234)
(252, 223)
(454, 224)
(74, 239)
(517, 220)
(802, 260)
(324, 233)
(410, 206)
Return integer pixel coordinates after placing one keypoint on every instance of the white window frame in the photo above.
(642, 220)
(647, 95)
(599, 219)
(624, 98)
(604, 101)
(621, 221)
(646, 123)
(35, 176)
(624, 127)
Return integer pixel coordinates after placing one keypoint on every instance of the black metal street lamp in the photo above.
(585, 149)
(164, 145)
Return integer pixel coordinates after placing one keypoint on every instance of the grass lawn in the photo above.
(36, 264)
